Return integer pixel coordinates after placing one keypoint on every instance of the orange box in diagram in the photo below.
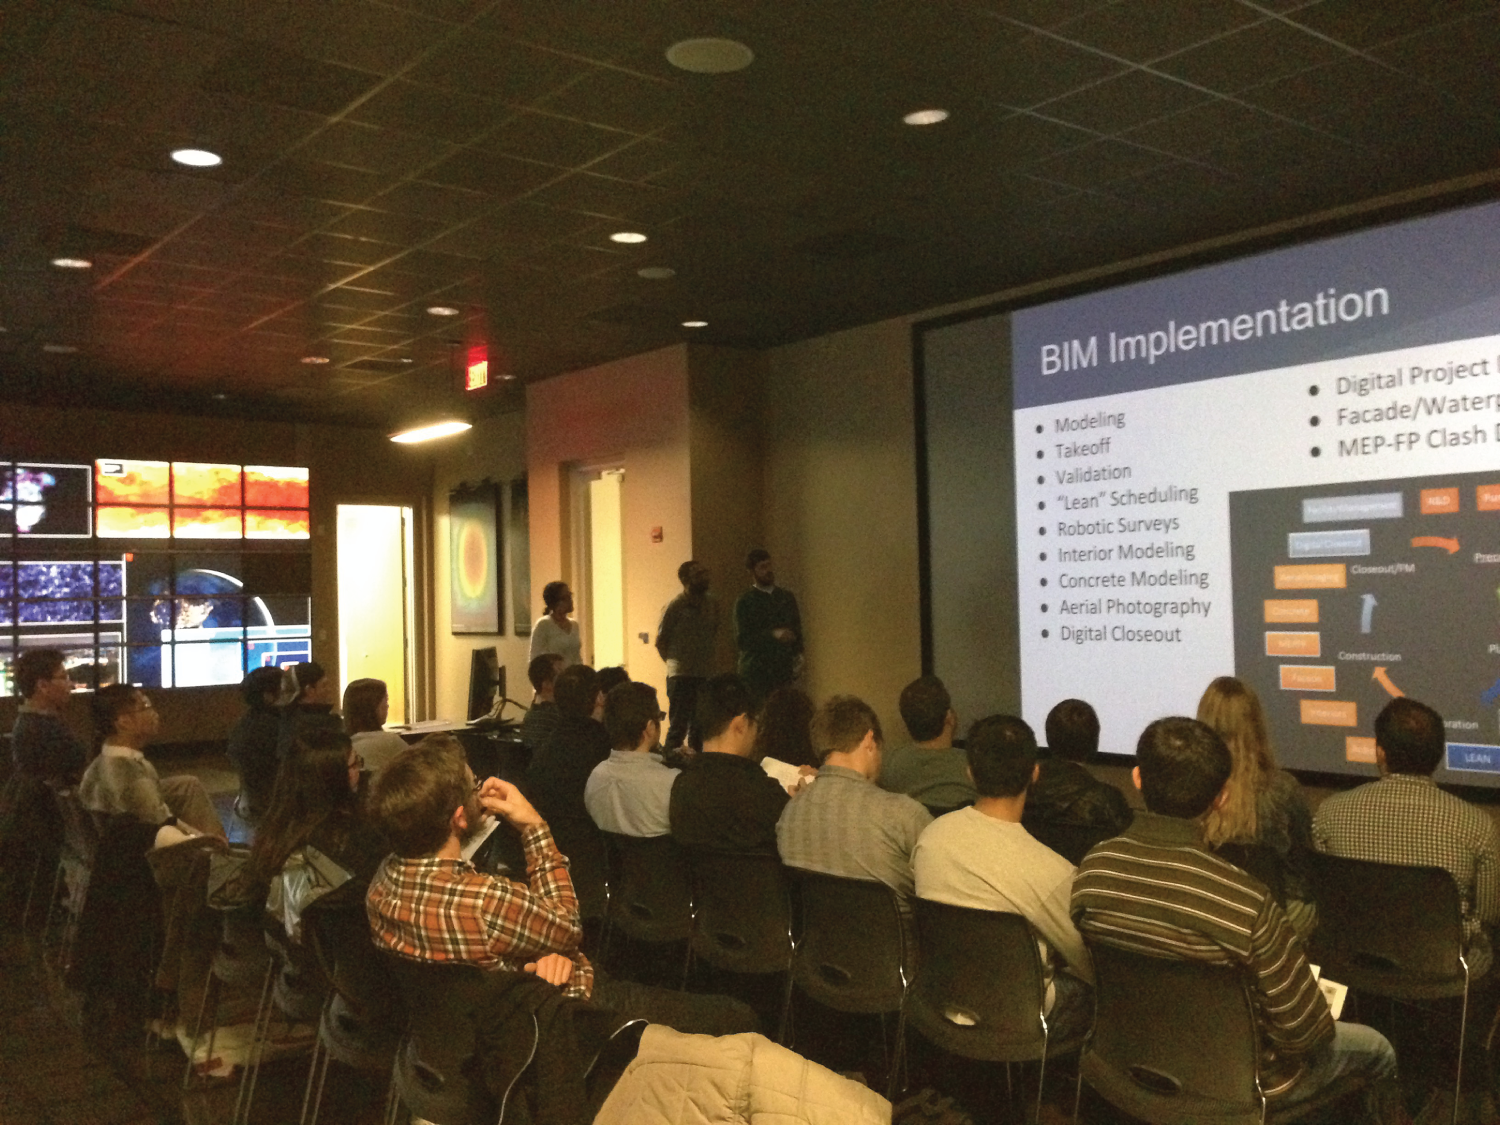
(1329, 713)
(1438, 501)
(1311, 576)
(1294, 644)
(1292, 611)
(1359, 749)
(1307, 677)
(1487, 497)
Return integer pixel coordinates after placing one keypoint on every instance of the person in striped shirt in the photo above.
(1157, 889)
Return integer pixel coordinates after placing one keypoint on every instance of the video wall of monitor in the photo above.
(159, 573)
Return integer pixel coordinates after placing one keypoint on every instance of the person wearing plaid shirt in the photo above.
(1157, 889)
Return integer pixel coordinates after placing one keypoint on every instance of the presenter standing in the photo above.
(767, 630)
(555, 632)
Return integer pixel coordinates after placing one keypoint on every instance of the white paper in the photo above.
(476, 841)
(1333, 992)
(784, 772)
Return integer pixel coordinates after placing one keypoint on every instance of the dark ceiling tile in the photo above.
(433, 265)
(1026, 69)
(259, 202)
(481, 169)
(430, 112)
(1274, 150)
(1368, 23)
(344, 249)
(1044, 13)
(372, 149)
(356, 33)
(433, 201)
(403, 230)
(610, 199)
(245, 133)
(1119, 103)
(484, 65)
(1204, 127)
(1142, 30)
(553, 140)
(323, 181)
(259, 72)
(1012, 143)
(643, 160)
(1458, 58)
(1252, 56)
(1097, 163)
(174, 189)
(619, 100)
(1323, 90)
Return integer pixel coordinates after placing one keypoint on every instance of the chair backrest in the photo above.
(337, 930)
(742, 911)
(80, 838)
(580, 840)
(1388, 929)
(1261, 861)
(650, 893)
(851, 950)
(978, 989)
(1174, 1042)
(435, 1061)
(1071, 841)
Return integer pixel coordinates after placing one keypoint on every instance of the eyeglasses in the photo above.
(660, 715)
(357, 762)
(478, 784)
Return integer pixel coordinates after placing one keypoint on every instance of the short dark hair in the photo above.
(576, 691)
(756, 557)
(1073, 730)
(1001, 751)
(612, 677)
(413, 798)
(543, 670)
(721, 700)
(110, 703)
(296, 679)
(552, 593)
(1184, 764)
(362, 704)
(34, 666)
(841, 724)
(628, 709)
(259, 683)
(1412, 735)
(924, 707)
(685, 571)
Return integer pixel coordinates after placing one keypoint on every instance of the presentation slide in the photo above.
(1285, 468)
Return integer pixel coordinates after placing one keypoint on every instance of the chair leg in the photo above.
(786, 1010)
(893, 1082)
(312, 1069)
(51, 904)
(260, 1031)
(1078, 1089)
(36, 875)
(1041, 1076)
(1463, 1021)
(210, 985)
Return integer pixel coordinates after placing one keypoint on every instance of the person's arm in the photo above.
(1487, 876)
(1294, 1017)
(1062, 936)
(540, 916)
(139, 793)
(665, 629)
(796, 623)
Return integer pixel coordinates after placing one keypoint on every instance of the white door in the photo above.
(375, 599)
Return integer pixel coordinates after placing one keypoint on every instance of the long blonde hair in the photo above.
(1233, 709)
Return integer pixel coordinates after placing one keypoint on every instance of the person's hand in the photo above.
(505, 800)
(553, 968)
(784, 635)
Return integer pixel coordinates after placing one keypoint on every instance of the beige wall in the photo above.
(346, 465)
(633, 413)
(841, 508)
(494, 448)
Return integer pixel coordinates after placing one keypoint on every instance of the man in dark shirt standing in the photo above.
(767, 629)
(1065, 792)
(723, 800)
(685, 640)
(42, 746)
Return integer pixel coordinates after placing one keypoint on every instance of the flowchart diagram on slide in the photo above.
(1347, 596)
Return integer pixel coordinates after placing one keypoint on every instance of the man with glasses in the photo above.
(630, 791)
(41, 745)
(121, 780)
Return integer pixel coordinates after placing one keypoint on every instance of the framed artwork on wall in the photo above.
(519, 527)
(474, 558)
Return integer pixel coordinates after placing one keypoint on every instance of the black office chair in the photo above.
(1260, 861)
(1176, 1043)
(580, 840)
(851, 953)
(979, 989)
(648, 891)
(1071, 841)
(1393, 931)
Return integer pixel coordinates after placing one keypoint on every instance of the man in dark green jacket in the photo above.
(767, 629)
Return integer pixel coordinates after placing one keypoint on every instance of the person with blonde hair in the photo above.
(1264, 806)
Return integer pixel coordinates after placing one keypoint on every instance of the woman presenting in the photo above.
(556, 632)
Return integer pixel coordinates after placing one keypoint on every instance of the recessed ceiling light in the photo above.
(73, 263)
(441, 310)
(926, 116)
(197, 157)
(710, 56)
(407, 359)
(630, 236)
(508, 377)
(656, 273)
(427, 433)
(59, 349)
(315, 359)
(695, 324)
(220, 396)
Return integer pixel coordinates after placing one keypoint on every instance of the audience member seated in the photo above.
(629, 793)
(41, 745)
(611, 678)
(785, 728)
(120, 780)
(928, 768)
(307, 698)
(1065, 792)
(981, 857)
(367, 705)
(560, 768)
(723, 800)
(843, 823)
(253, 741)
(1158, 889)
(427, 903)
(541, 717)
(1265, 806)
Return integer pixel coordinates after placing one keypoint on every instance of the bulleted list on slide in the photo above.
(1327, 531)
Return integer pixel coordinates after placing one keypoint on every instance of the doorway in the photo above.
(599, 561)
(376, 604)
